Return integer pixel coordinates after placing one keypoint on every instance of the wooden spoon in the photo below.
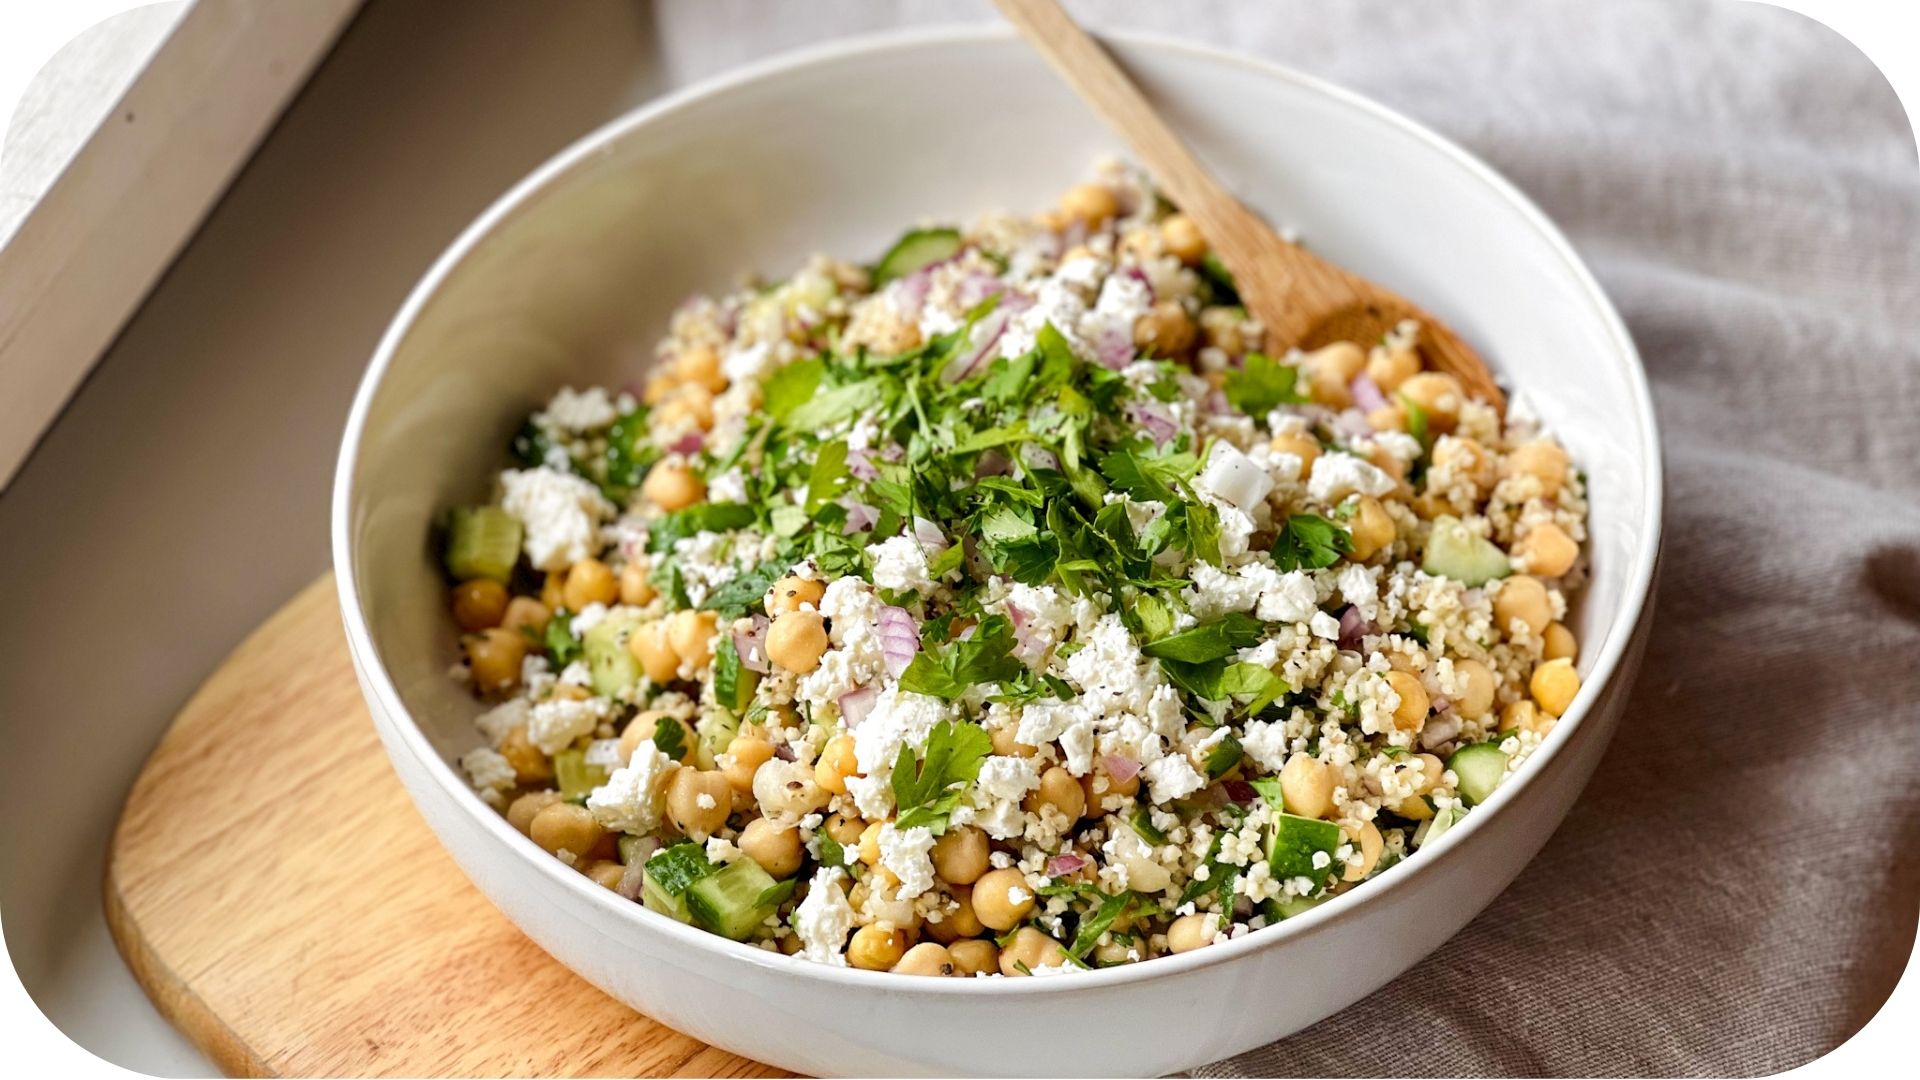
(1303, 300)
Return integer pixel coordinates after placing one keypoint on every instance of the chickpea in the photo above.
(960, 923)
(1225, 328)
(745, 754)
(1541, 459)
(660, 388)
(785, 790)
(479, 604)
(566, 827)
(691, 406)
(700, 366)
(1001, 898)
(1306, 786)
(553, 590)
(521, 811)
(1029, 951)
(530, 766)
(1554, 685)
(690, 633)
(1548, 550)
(1330, 373)
(570, 692)
(1476, 698)
(1523, 598)
(494, 657)
(789, 593)
(845, 830)
(960, 855)
(640, 729)
(590, 581)
(1300, 445)
(698, 802)
(836, 763)
(1182, 239)
(1371, 843)
(797, 640)
(673, 487)
(605, 873)
(1525, 716)
(648, 643)
(1389, 417)
(1439, 395)
(1388, 368)
(869, 848)
(1100, 783)
(525, 615)
(1165, 330)
(775, 847)
(1090, 204)
(1190, 932)
(1141, 244)
(974, 956)
(926, 958)
(875, 948)
(1006, 744)
(1371, 528)
(1060, 790)
(1560, 643)
(1464, 457)
(1411, 713)
(635, 589)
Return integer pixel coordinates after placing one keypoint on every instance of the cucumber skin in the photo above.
(913, 251)
(482, 542)
(1479, 769)
(718, 901)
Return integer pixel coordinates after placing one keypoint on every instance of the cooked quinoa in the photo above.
(1002, 608)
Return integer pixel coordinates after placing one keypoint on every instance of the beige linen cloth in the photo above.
(1736, 892)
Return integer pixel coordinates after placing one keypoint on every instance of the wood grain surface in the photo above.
(280, 900)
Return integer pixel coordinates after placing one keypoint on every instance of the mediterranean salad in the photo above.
(1006, 607)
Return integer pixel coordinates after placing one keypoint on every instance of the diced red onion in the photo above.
(1113, 347)
(899, 637)
(752, 645)
(785, 752)
(690, 443)
(1352, 424)
(860, 516)
(909, 294)
(1067, 862)
(1441, 705)
(1240, 791)
(1353, 627)
(1440, 730)
(1146, 282)
(932, 540)
(994, 462)
(985, 336)
(856, 704)
(1154, 420)
(977, 286)
(861, 465)
(634, 875)
(892, 452)
(1121, 767)
(1366, 393)
(1216, 403)
(1026, 640)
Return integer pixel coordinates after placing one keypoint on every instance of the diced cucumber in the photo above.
(733, 682)
(917, 249)
(734, 901)
(1292, 843)
(658, 899)
(715, 732)
(1442, 821)
(576, 778)
(635, 849)
(1454, 551)
(482, 542)
(1478, 768)
(1288, 906)
(677, 867)
(611, 666)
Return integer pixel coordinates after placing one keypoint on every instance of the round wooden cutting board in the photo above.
(282, 903)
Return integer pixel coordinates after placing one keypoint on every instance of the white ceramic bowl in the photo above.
(569, 278)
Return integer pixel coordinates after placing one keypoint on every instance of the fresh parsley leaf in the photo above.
(1261, 386)
(628, 456)
(829, 475)
(1210, 640)
(791, 386)
(1098, 922)
(1260, 686)
(1224, 756)
(829, 407)
(670, 738)
(1203, 531)
(831, 853)
(1310, 542)
(1143, 824)
(985, 657)
(562, 647)
(745, 591)
(927, 790)
(706, 517)
(1134, 470)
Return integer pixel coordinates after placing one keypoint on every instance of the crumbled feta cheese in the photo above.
(1325, 626)
(502, 718)
(1267, 744)
(1172, 777)
(488, 770)
(1231, 477)
(900, 565)
(1288, 597)
(561, 514)
(555, 724)
(630, 799)
(1336, 475)
(824, 919)
(578, 412)
(906, 853)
